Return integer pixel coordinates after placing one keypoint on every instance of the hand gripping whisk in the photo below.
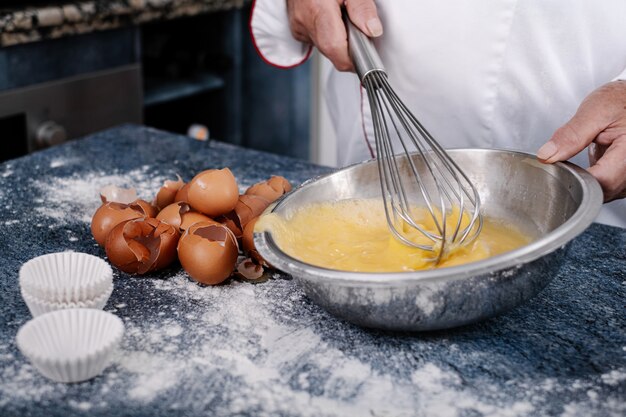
(424, 167)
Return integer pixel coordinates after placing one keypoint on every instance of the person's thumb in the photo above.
(364, 15)
(576, 134)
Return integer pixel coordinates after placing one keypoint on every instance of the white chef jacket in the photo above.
(486, 74)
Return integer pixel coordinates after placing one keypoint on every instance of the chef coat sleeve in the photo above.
(271, 35)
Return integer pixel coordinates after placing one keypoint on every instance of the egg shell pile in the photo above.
(202, 223)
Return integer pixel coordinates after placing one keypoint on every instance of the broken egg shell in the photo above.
(149, 209)
(181, 215)
(208, 252)
(263, 190)
(167, 193)
(255, 206)
(142, 245)
(279, 184)
(247, 208)
(182, 194)
(213, 192)
(271, 190)
(250, 270)
(115, 194)
(110, 215)
(247, 242)
(247, 238)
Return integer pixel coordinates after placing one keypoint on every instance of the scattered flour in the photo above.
(8, 170)
(614, 377)
(240, 349)
(59, 162)
(77, 197)
(82, 405)
(231, 350)
(23, 383)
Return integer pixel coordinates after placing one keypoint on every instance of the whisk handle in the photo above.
(362, 50)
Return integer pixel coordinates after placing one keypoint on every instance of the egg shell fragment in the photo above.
(247, 242)
(182, 194)
(111, 214)
(248, 207)
(208, 252)
(149, 209)
(167, 193)
(115, 194)
(247, 238)
(250, 270)
(272, 189)
(213, 192)
(142, 245)
(181, 216)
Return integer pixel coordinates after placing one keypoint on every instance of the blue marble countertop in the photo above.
(242, 349)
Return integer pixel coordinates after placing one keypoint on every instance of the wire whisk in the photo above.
(419, 165)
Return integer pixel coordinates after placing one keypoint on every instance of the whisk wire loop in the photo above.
(421, 165)
(392, 183)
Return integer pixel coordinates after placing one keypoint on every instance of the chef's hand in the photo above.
(319, 22)
(600, 122)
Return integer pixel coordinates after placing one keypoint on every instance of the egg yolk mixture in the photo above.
(352, 235)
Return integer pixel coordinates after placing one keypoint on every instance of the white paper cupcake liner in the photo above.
(70, 345)
(65, 277)
(38, 306)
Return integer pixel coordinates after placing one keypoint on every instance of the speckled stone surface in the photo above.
(30, 24)
(265, 349)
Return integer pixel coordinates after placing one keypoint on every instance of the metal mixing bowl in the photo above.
(553, 203)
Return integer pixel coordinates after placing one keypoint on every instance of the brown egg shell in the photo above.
(248, 207)
(213, 192)
(142, 245)
(149, 209)
(182, 194)
(247, 238)
(247, 242)
(110, 215)
(208, 252)
(251, 271)
(280, 184)
(181, 216)
(272, 189)
(167, 194)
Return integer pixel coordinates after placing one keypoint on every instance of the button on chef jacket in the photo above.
(487, 74)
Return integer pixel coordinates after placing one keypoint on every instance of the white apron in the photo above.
(489, 74)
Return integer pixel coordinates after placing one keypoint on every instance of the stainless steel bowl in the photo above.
(554, 203)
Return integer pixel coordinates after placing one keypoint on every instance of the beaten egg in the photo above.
(352, 235)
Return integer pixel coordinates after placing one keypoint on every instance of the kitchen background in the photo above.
(70, 68)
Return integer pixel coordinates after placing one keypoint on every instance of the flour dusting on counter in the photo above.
(261, 360)
(257, 356)
(77, 197)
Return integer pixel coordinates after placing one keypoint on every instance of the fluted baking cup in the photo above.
(65, 277)
(38, 306)
(70, 345)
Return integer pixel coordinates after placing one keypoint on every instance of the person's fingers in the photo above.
(364, 15)
(319, 22)
(331, 38)
(610, 170)
(597, 113)
(573, 136)
(609, 135)
(298, 12)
